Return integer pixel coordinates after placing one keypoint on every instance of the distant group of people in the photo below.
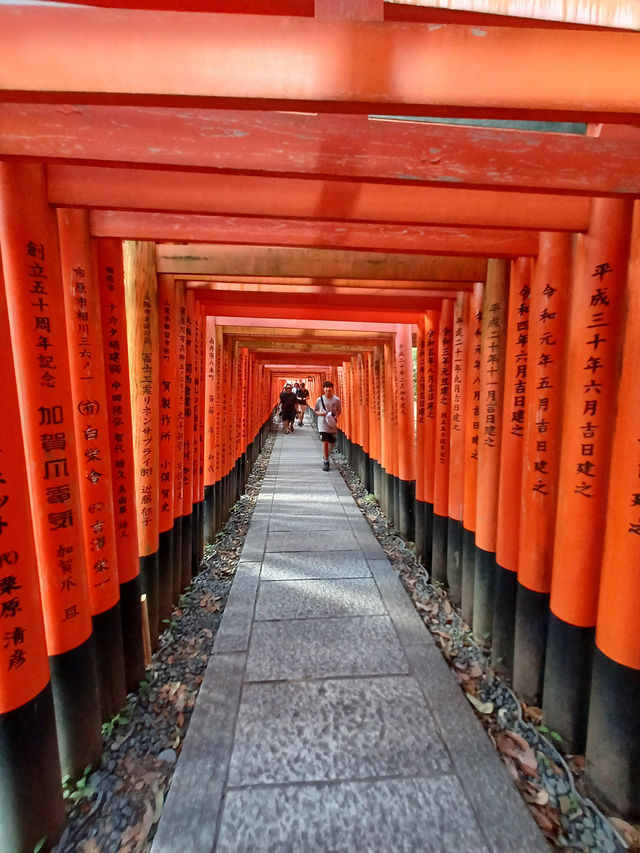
(293, 405)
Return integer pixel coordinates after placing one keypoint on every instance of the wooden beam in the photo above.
(351, 147)
(289, 333)
(189, 261)
(121, 56)
(222, 300)
(384, 237)
(309, 293)
(301, 284)
(173, 191)
(337, 327)
(319, 314)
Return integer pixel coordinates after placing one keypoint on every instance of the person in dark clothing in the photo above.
(303, 396)
(288, 403)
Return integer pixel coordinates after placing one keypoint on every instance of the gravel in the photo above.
(118, 809)
(118, 806)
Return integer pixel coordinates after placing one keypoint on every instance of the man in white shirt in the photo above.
(327, 408)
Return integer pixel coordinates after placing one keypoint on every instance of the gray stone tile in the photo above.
(399, 815)
(304, 599)
(192, 807)
(334, 729)
(309, 510)
(301, 523)
(324, 648)
(505, 818)
(254, 545)
(312, 564)
(339, 540)
(235, 627)
(410, 627)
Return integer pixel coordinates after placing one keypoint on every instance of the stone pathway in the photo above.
(327, 719)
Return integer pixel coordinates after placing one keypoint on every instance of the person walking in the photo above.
(303, 394)
(288, 403)
(327, 408)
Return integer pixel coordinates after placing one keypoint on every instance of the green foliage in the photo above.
(119, 719)
(40, 844)
(78, 790)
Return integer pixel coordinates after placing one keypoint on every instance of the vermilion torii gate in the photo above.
(295, 199)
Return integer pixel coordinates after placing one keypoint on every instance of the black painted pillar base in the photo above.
(406, 505)
(74, 685)
(238, 480)
(439, 548)
(165, 576)
(107, 633)
(454, 560)
(187, 546)
(208, 522)
(195, 564)
(228, 488)
(483, 593)
(423, 523)
(377, 481)
(613, 741)
(385, 491)
(31, 806)
(504, 620)
(395, 485)
(131, 618)
(150, 588)
(370, 474)
(197, 515)
(567, 682)
(217, 506)
(363, 467)
(176, 565)
(468, 573)
(532, 621)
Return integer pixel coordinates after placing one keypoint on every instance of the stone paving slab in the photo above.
(400, 815)
(341, 732)
(334, 729)
(324, 648)
(191, 810)
(300, 523)
(312, 564)
(308, 599)
(339, 540)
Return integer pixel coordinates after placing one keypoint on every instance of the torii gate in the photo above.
(292, 167)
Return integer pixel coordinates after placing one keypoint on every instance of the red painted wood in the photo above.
(176, 58)
(387, 237)
(175, 191)
(350, 10)
(318, 263)
(353, 147)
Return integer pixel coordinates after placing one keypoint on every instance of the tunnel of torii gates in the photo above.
(196, 206)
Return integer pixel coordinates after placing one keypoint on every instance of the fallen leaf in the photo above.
(543, 819)
(475, 670)
(578, 762)
(533, 714)
(516, 747)
(630, 834)
(481, 707)
(89, 845)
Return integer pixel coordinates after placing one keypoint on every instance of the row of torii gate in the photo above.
(196, 204)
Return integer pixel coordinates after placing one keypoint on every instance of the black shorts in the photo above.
(328, 436)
